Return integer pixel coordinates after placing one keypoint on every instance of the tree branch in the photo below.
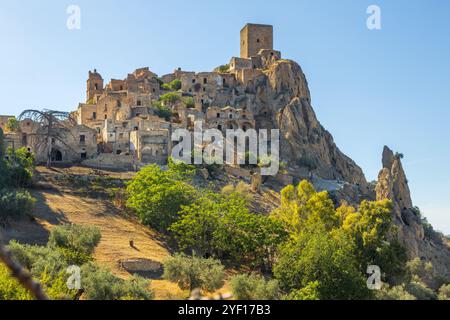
(21, 274)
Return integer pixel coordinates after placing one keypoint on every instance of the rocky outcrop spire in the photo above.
(393, 185)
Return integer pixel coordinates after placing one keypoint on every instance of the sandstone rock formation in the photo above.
(284, 102)
(392, 184)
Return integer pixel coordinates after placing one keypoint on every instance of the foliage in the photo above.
(81, 239)
(20, 167)
(421, 291)
(362, 234)
(395, 293)
(101, 284)
(419, 270)
(221, 225)
(189, 102)
(10, 289)
(170, 98)
(39, 259)
(15, 204)
(13, 125)
(254, 287)
(157, 196)
(175, 85)
(324, 257)
(223, 68)
(310, 292)
(308, 162)
(444, 292)
(194, 273)
(162, 111)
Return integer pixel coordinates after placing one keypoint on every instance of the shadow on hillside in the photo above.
(32, 230)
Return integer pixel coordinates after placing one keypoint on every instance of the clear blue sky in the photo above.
(369, 88)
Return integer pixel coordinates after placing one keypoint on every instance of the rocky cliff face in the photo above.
(282, 100)
(392, 184)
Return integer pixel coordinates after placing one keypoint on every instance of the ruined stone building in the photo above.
(120, 121)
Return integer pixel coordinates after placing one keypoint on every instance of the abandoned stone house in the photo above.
(120, 118)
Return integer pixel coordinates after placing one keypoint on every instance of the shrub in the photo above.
(101, 284)
(310, 292)
(444, 292)
(39, 259)
(223, 68)
(394, 293)
(254, 287)
(421, 291)
(10, 288)
(162, 111)
(15, 204)
(20, 167)
(80, 239)
(189, 102)
(170, 98)
(194, 273)
(308, 162)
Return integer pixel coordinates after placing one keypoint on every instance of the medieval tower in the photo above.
(255, 37)
(94, 85)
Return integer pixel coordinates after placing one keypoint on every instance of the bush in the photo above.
(310, 292)
(194, 273)
(10, 288)
(20, 167)
(223, 68)
(444, 292)
(189, 102)
(170, 98)
(421, 291)
(15, 204)
(394, 293)
(101, 284)
(79, 239)
(162, 111)
(254, 287)
(39, 259)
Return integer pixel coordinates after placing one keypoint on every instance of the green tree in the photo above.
(20, 166)
(324, 257)
(13, 125)
(302, 206)
(157, 196)
(194, 273)
(221, 225)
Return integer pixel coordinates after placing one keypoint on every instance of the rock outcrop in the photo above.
(392, 184)
(282, 100)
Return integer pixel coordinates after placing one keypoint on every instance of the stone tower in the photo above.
(94, 85)
(255, 37)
